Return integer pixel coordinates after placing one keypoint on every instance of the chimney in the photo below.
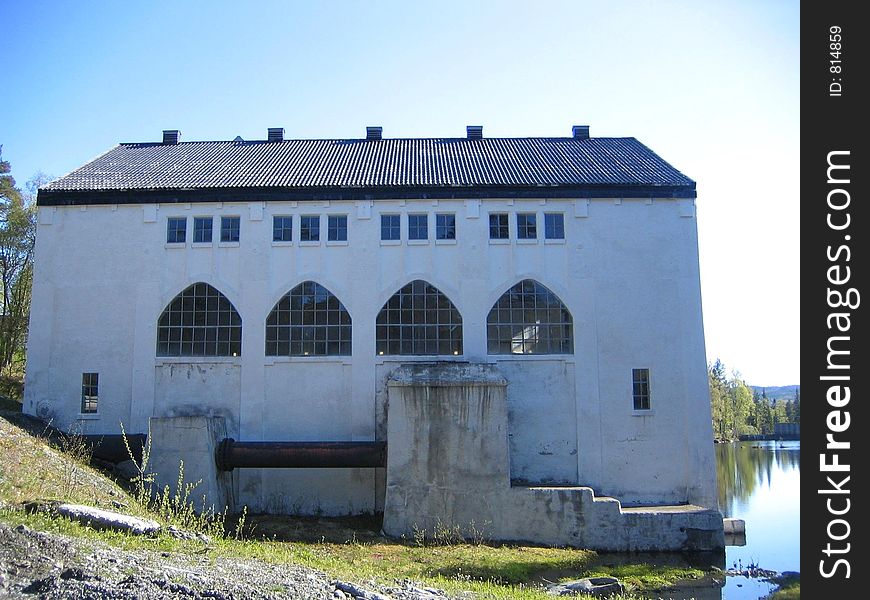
(374, 133)
(474, 132)
(170, 136)
(581, 132)
(276, 134)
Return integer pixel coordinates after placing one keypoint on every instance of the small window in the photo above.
(445, 227)
(418, 227)
(640, 385)
(282, 229)
(554, 226)
(527, 228)
(336, 228)
(390, 228)
(202, 230)
(230, 229)
(176, 230)
(90, 392)
(498, 226)
(309, 228)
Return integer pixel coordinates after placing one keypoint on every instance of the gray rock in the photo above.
(593, 586)
(357, 592)
(107, 519)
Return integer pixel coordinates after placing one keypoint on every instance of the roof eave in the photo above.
(267, 194)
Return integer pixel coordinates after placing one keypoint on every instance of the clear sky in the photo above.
(710, 86)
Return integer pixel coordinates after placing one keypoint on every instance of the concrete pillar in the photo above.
(192, 440)
(447, 461)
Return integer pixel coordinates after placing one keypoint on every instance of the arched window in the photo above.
(199, 321)
(308, 321)
(419, 319)
(529, 319)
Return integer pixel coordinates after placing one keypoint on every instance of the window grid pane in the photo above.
(527, 226)
(90, 392)
(337, 228)
(199, 321)
(418, 227)
(176, 230)
(554, 226)
(282, 229)
(419, 320)
(498, 226)
(445, 227)
(640, 388)
(202, 228)
(529, 319)
(309, 230)
(308, 321)
(390, 227)
(230, 229)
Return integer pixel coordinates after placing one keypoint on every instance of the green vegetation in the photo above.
(739, 409)
(789, 588)
(17, 237)
(348, 549)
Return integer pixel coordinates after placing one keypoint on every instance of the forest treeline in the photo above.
(738, 410)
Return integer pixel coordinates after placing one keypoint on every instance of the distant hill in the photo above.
(781, 392)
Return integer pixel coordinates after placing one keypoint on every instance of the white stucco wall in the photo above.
(627, 271)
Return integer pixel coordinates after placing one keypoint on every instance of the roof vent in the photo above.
(276, 134)
(374, 133)
(474, 132)
(581, 132)
(170, 136)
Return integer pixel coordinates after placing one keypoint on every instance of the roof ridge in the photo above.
(386, 139)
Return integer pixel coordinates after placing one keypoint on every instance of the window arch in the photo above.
(308, 321)
(529, 319)
(419, 319)
(199, 321)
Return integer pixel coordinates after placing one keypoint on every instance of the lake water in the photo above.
(759, 482)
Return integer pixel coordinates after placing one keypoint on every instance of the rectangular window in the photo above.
(498, 226)
(230, 229)
(445, 227)
(554, 226)
(640, 386)
(336, 228)
(202, 230)
(90, 392)
(390, 228)
(418, 227)
(176, 230)
(282, 229)
(309, 228)
(527, 228)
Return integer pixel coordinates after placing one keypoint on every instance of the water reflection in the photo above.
(760, 482)
(742, 468)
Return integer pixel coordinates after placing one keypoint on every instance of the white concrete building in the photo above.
(278, 284)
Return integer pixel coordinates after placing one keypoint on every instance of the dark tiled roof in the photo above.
(373, 165)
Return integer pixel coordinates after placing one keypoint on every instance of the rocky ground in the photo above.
(42, 565)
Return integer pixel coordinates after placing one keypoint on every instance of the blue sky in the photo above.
(713, 87)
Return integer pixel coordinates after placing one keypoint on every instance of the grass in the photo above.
(348, 549)
(789, 588)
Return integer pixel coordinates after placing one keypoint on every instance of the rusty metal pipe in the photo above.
(231, 454)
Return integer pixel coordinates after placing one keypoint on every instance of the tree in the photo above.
(17, 237)
(740, 400)
(718, 399)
